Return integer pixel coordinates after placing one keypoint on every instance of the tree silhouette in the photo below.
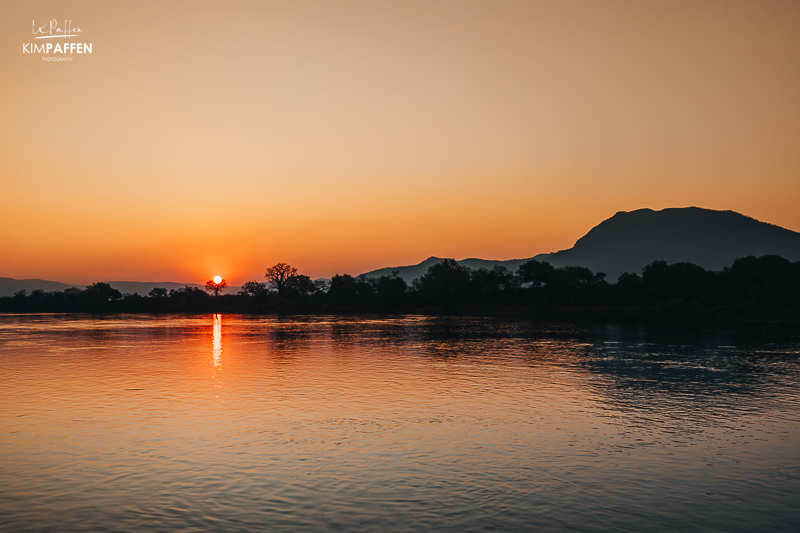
(101, 291)
(491, 285)
(300, 284)
(98, 295)
(345, 290)
(278, 275)
(216, 287)
(391, 290)
(255, 289)
(444, 283)
(627, 290)
(536, 273)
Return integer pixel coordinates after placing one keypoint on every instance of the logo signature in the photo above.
(53, 29)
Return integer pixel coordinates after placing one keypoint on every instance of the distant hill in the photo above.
(712, 239)
(8, 286)
(411, 272)
(630, 240)
(143, 287)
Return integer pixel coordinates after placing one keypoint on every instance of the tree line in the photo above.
(767, 281)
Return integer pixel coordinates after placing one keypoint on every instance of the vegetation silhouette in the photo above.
(278, 275)
(254, 289)
(750, 285)
(628, 241)
(158, 292)
(446, 283)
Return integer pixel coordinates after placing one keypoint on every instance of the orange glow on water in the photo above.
(296, 421)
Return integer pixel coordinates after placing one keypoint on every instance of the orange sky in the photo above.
(208, 137)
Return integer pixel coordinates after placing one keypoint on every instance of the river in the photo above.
(381, 423)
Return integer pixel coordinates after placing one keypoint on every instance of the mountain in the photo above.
(712, 239)
(8, 286)
(625, 242)
(411, 272)
(143, 287)
(630, 240)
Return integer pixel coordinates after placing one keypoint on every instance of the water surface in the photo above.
(237, 423)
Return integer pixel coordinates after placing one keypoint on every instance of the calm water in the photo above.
(230, 423)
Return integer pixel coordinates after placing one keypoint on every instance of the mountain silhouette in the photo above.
(411, 272)
(626, 242)
(630, 240)
(8, 286)
(712, 239)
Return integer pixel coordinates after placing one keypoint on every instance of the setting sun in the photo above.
(217, 279)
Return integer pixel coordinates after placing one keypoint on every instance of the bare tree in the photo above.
(216, 287)
(278, 275)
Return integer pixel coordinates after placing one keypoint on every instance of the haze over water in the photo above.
(237, 423)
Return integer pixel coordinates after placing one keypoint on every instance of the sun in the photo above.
(217, 279)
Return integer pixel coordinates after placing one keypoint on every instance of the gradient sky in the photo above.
(223, 137)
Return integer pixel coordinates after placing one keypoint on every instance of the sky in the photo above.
(202, 138)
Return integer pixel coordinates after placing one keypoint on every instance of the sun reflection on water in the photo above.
(216, 351)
